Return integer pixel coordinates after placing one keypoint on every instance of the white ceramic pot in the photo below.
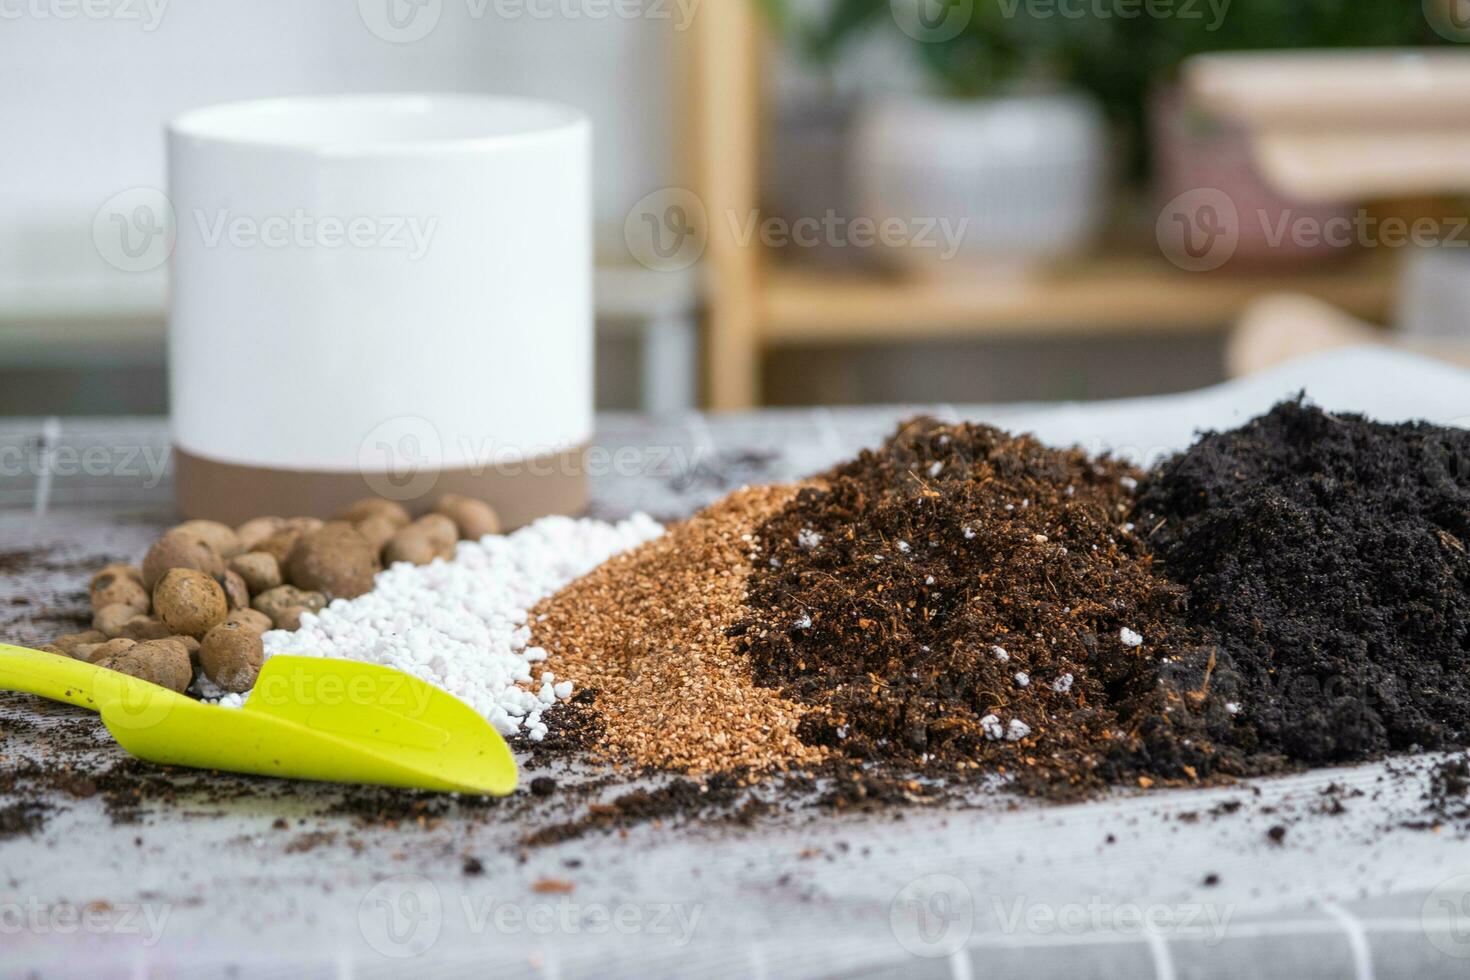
(380, 294)
(1018, 180)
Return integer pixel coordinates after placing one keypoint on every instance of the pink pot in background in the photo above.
(1193, 151)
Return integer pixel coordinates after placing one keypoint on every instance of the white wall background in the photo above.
(87, 85)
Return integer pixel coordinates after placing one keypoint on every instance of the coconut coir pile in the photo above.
(1327, 556)
(646, 631)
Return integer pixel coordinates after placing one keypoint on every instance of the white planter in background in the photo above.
(1027, 175)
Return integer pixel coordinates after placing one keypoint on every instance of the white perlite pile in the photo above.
(462, 625)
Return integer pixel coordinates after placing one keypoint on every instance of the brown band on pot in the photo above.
(550, 483)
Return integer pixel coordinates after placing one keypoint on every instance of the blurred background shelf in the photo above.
(1106, 295)
(790, 110)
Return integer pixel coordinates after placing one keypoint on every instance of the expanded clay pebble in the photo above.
(334, 560)
(220, 537)
(375, 507)
(190, 602)
(179, 549)
(474, 518)
(377, 531)
(159, 662)
(110, 620)
(412, 547)
(114, 587)
(279, 544)
(256, 530)
(260, 571)
(440, 531)
(142, 628)
(250, 619)
(286, 604)
(93, 652)
(68, 643)
(462, 625)
(231, 655)
(647, 631)
(237, 593)
(117, 569)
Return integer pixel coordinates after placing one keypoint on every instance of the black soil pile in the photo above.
(964, 600)
(1327, 553)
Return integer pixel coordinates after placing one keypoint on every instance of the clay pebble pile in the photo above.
(209, 603)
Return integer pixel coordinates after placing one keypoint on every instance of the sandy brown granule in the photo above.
(647, 629)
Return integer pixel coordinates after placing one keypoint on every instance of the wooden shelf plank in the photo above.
(1126, 295)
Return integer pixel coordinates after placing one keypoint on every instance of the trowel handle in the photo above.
(50, 675)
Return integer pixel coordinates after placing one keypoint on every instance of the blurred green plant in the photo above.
(1116, 49)
(1115, 46)
(999, 46)
(820, 40)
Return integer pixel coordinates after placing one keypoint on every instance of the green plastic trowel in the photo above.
(307, 718)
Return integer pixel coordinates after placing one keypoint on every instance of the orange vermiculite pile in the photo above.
(647, 631)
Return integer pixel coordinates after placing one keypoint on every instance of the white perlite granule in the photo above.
(461, 625)
(1129, 638)
(1013, 731)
